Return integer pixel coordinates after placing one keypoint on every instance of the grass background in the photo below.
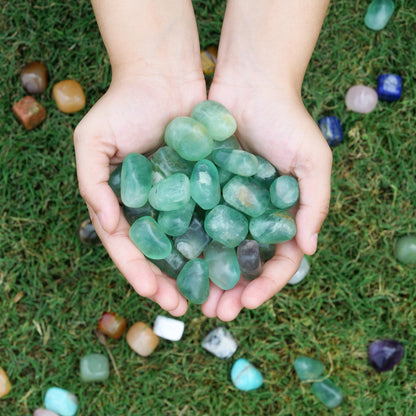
(53, 289)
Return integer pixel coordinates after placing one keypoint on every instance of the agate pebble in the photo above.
(35, 77)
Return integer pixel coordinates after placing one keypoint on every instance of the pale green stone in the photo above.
(166, 162)
(172, 264)
(224, 270)
(246, 195)
(230, 143)
(226, 225)
(94, 367)
(193, 281)
(284, 192)
(218, 121)
(405, 249)
(378, 14)
(308, 369)
(176, 222)
(149, 238)
(328, 393)
(189, 138)
(236, 161)
(205, 184)
(115, 180)
(136, 180)
(224, 175)
(171, 193)
(266, 172)
(132, 214)
(273, 227)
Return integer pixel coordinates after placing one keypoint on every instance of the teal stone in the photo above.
(273, 227)
(308, 369)
(236, 161)
(115, 181)
(245, 376)
(405, 249)
(378, 14)
(230, 143)
(205, 184)
(94, 368)
(176, 222)
(149, 238)
(224, 175)
(218, 121)
(224, 270)
(249, 260)
(165, 162)
(226, 225)
(284, 192)
(266, 251)
(266, 172)
(189, 138)
(246, 195)
(171, 193)
(132, 214)
(136, 180)
(61, 401)
(328, 393)
(172, 264)
(193, 281)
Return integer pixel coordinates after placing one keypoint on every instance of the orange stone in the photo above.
(5, 385)
(112, 325)
(142, 339)
(35, 77)
(29, 112)
(209, 59)
(69, 96)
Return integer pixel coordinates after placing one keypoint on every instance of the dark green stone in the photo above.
(236, 161)
(115, 181)
(266, 251)
(205, 184)
(328, 393)
(172, 264)
(176, 222)
(132, 214)
(193, 281)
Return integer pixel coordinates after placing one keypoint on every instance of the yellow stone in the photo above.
(142, 339)
(69, 96)
(5, 385)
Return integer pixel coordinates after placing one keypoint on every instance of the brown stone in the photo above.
(69, 96)
(29, 112)
(209, 59)
(35, 77)
(5, 385)
(142, 339)
(112, 325)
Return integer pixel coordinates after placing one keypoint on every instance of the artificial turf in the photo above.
(53, 289)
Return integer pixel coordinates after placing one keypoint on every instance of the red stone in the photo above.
(29, 112)
(112, 325)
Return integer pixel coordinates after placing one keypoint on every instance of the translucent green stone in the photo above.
(189, 138)
(328, 393)
(224, 175)
(94, 367)
(405, 249)
(230, 143)
(236, 161)
(308, 369)
(132, 214)
(205, 184)
(115, 180)
(149, 238)
(284, 192)
(266, 172)
(176, 222)
(273, 227)
(193, 281)
(226, 225)
(246, 195)
(223, 266)
(136, 180)
(249, 260)
(218, 121)
(170, 193)
(378, 14)
(172, 264)
(266, 251)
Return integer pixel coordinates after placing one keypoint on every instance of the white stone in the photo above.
(168, 328)
(220, 342)
(301, 273)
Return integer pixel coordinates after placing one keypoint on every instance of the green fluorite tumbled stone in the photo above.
(176, 222)
(170, 193)
(136, 180)
(406, 249)
(216, 118)
(149, 238)
(223, 266)
(205, 184)
(308, 369)
(189, 138)
(132, 214)
(266, 172)
(115, 180)
(378, 14)
(94, 367)
(328, 393)
(193, 281)
(236, 161)
(172, 264)
(284, 192)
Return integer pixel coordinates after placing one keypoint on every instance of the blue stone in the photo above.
(61, 401)
(331, 129)
(245, 376)
(389, 87)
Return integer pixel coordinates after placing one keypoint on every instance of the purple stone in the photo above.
(384, 354)
(389, 87)
(331, 129)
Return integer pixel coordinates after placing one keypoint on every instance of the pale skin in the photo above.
(153, 47)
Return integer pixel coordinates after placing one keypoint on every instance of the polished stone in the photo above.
(5, 385)
(236, 161)
(209, 59)
(361, 99)
(115, 180)
(166, 161)
(220, 343)
(142, 339)
(132, 214)
(389, 87)
(230, 143)
(112, 324)
(378, 14)
(35, 77)
(61, 401)
(149, 238)
(193, 281)
(224, 176)
(87, 233)
(205, 184)
(172, 264)
(29, 112)
(301, 273)
(176, 222)
(266, 251)
(94, 368)
(44, 412)
(248, 254)
(385, 354)
(328, 393)
(168, 328)
(331, 129)
(405, 249)
(69, 96)
(308, 369)
(266, 172)
(245, 376)
(284, 192)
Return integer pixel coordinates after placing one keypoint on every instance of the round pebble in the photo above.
(142, 339)
(406, 249)
(87, 234)
(245, 376)
(35, 77)
(69, 96)
(5, 385)
(112, 325)
(361, 99)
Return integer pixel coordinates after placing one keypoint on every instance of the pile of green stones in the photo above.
(201, 208)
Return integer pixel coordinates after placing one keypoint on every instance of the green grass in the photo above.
(53, 289)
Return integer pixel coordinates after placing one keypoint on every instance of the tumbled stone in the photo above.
(29, 112)
(385, 354)
(245, 376)
(301, 273)
(172, 264)
(284, 192)
(224, 270)
(236, 161)
(35, 77)
(224, 176)
(266, 251)
(226, 225)
(166, 161)
(94, 368)
(248, 254)
(405, 249)
(205, 184)
(5, 385)
(61, 401)
(220, 342)
(389, 87)
(246, 195)
(142, 339)
(44, 412)
(378, 14)
(87, 233)
(266, 172)
(136, 180)
(273, 227)
(331, 129)
(112, 324)
(308, 369)
(189, 138)
(149, 238)
(328, 393)
(69, 96)
(176, 222)
(168, 328)
(193, 281)
(209, 60)
(115, 181)
(132, 214)
(361, 99)
(230, 143)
